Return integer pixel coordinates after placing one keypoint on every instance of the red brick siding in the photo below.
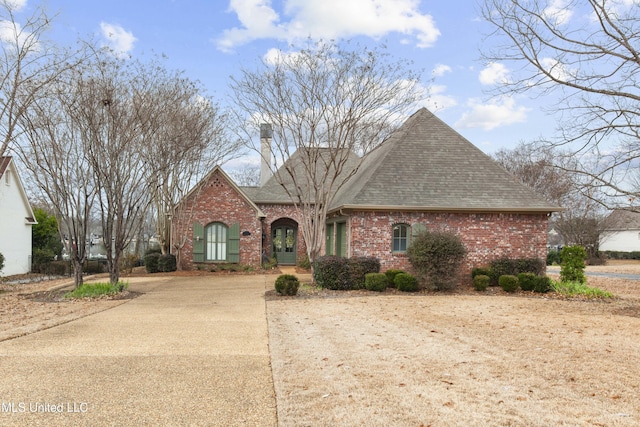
(276, 212)
(218, 201)
(486, 236)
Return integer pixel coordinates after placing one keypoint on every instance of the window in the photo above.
(215, 245)
(400, 237)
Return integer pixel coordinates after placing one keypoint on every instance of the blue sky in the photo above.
(212, 40)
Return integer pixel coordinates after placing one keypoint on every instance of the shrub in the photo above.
(391, 275)
(572, 269)
(332, 272)
(96, 290)
(481, 282)
(515, 266)
(542, 285)
(58, 268)
(437, 256)
(151, 262)
(553, 257)
(359, 267)
(527, 281)
(305, 263)
(269, 263)
(167, 263)
(1, 261)
(287, 284)
(375, 282)
(40, 258)
(93, 267)
(508, 282)
(574, 288)
(405, 282)
(481, 271)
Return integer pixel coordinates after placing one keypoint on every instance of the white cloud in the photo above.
(117, 38)
(436, 99)
(558, 12)
(557, 69)
(15, 5)
(328, 19)
(494, 73)
(500, 112)
(440, 70)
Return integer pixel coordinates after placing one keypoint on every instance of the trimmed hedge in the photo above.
(151, 262)
(167, 262)
(481, 271)
(508, 282)
(481, 282)
(391, 275)
(436, 256)
(527, 281)
(375, 282)
(405, 282)
(338, 273)
(287, 284)
(543, 284)
(515, 266)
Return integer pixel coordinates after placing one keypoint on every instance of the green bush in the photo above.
(622, 255)
(405, 282)
(287, 284)
(375, 282)
(481, 271)
(1, 261)
(359, 267)
(542, 285)
(553, 257)
(332, 272)
(481, 282)
(508, 282)
(40, 258)
(391, 275)
(305, 263)
(96, 290)
(151, 262)
(167, 263)
(437, 256)
(515, 266)
(93, 267)
(572, 267)
(527, 281)
(574, 288)
(58, 268)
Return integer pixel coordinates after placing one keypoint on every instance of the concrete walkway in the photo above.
(190, 351)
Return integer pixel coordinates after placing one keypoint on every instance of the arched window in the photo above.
(215, 244)
(401, 235)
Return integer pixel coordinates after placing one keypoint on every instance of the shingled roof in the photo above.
(427, 165)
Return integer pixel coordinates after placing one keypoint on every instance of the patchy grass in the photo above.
(572, 289)
(96, 290)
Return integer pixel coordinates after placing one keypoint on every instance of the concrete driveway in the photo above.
(190, 351)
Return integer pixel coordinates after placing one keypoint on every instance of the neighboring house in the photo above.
(16, 219)
(621, 232)
(424, 176)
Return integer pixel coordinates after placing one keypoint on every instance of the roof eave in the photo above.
(545, 210)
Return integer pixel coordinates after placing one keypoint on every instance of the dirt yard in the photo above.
(464, 359)
(428, 359)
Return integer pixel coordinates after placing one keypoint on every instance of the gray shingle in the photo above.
(427, 165)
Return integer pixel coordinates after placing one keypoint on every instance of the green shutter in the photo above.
(329, 244)
(198, 242)
(233, 243)
(417, 229)
(341, 239)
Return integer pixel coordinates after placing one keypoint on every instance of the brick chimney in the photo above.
(266, 133)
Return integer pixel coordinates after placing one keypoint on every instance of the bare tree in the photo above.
(326, 103)
(28, 64)
(588, 53)
(53, 150)
(185, 135)
(246, 175)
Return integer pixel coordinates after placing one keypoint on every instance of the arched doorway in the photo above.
(284, 239)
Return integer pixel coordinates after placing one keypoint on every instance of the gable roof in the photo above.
(6, 165)
(621, 220)
(231, 182)
(273, 191)
(426, 165)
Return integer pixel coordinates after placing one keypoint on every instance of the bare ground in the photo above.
(458, 359)
(360, 358)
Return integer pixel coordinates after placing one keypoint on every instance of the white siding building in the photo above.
(16, 219)
(622, 232)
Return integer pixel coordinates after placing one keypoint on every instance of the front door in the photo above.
(284, 244)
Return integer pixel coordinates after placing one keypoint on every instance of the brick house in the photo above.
(425, 175)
